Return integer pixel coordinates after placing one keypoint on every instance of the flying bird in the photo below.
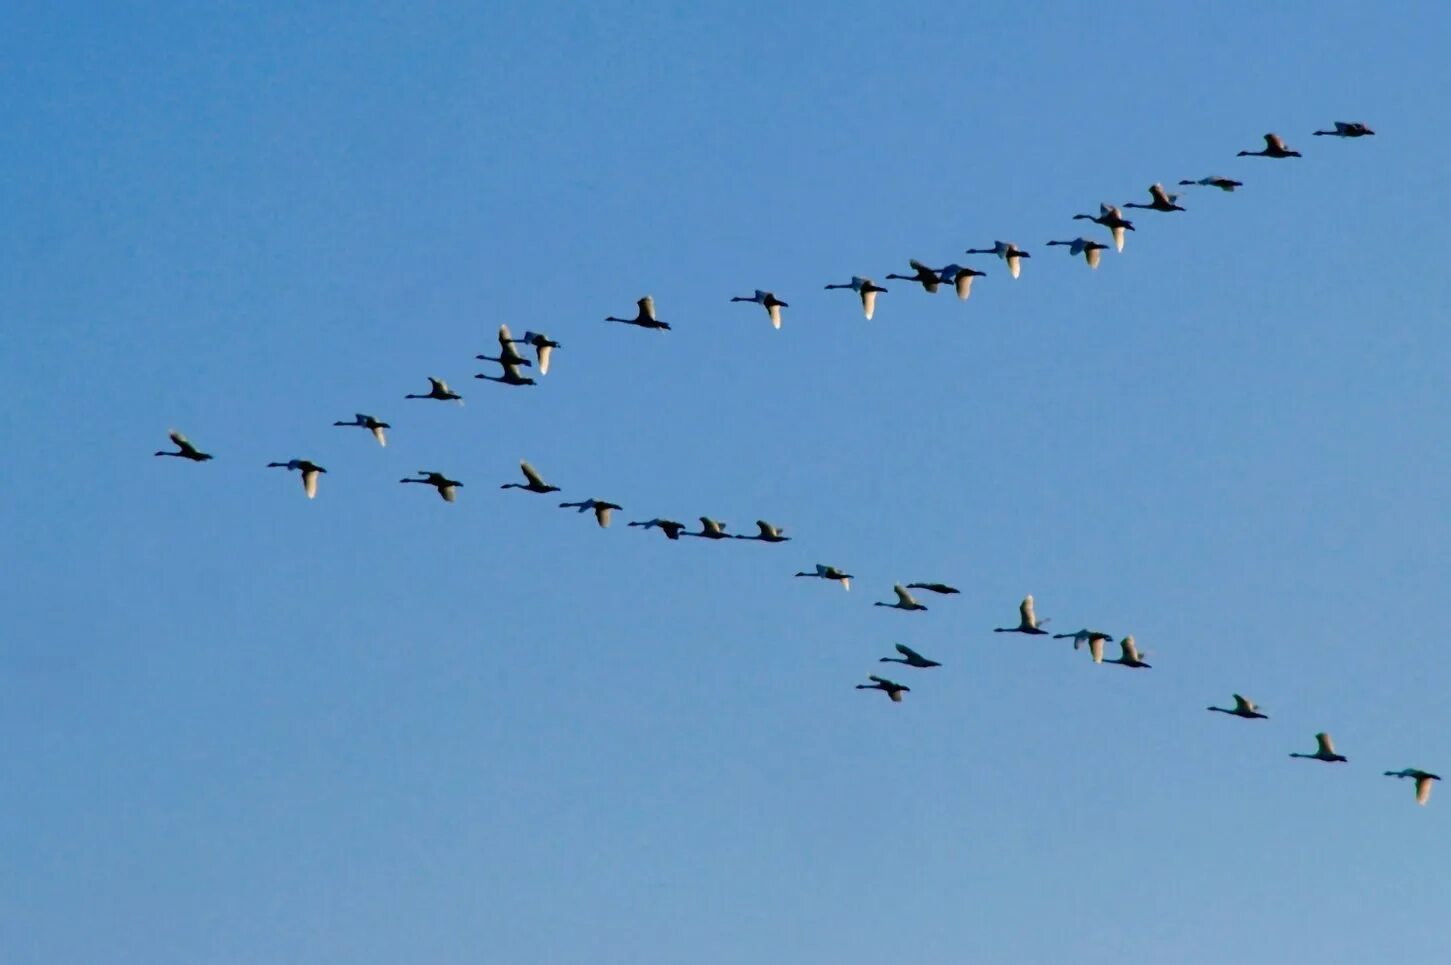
(909, 657)
(534, 482)
(646, 318)
(960, 279)
(768, 533)
(1325, 751)
(1090, 250)
(1027, 620)
(824, 572)
(669, 527)
(773, 305)
(1422, 778)
(711, 529)
(184, 449)
(309, 470)
(1243, 707)
(511, 375)
(890, 688)
(1348, 129)
(1215, 181)
(544, 347)
(928, 278)
(1161, 200)
(1008, 252)
(1129, 654)
(601, 509)
(867, 289)
(363, 421)
(905, 600)
(1086, 636)
(1274, 147)
(447, 488)
(934, 587)
(1111, 218)
(438, 389)
(508, 355)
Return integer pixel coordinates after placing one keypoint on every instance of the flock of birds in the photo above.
(511, 362)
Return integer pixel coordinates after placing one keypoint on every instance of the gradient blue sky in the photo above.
(243, 727)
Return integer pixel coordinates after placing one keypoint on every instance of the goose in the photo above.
(438, 389)
(1215, 181)
(646, 318)
(447, 488)
(1086, 636)
(1324, 752)
(1422, 778)
(1162, 200)
(1027, 621)
(544, 346)
(309, 470)
(1090, 250)
(1274, 147)
(1348, 129)
(934, 587)
(772, 304)
(511, 375)
(891, 688)
(669, 527)
(904, 600)
(364, 421)
(508, 355)
(184, 448)
(1243, 707)
(535, 483)
(867, 289)
(1130, 656)
(960, 279)
(601, 509)
(928, 278)
(1111, 218)
(824, 572)
(768, 533)
(711, 529)
(909, 657)
(1008, 252)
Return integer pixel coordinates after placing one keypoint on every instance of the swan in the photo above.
(601, 509)
(544, 347)
(934, 587)
(867, 289)
(447, 488)
(508, 355)
(1324, 752)
(535, 483)
(309, 470)
(1348, 129)
(928, 278)
(438, 389)
(960, 279)
(1215, 181)
(1027, 620)
(1243, 707)
(1086, 636)
(1274, 147)
(184, 448)
(1423, 781)
(1111, 218)
(1008, 252)
(909, 657)
(1090, 250)
(768, 533)
(772, 304)
(1162, 200)
(1129, 656)
(892, 689)
(711, 529)
(363, 421)
(646, 318)
(511, 375)
(669, 527)
(824, 572)
(904, 600)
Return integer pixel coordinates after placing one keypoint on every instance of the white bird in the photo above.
(363, 421)
(1423, 781)
(1243, 707)
(1027, 620)
(867, 289)
(773, 305)
(309, 470)
(824, 572)
(905, 600)
(1113, 219)
(601, 509)
(544, 347)
(1129, 657)
(1090, 250)
(1324, 751)
(1008, 252)
(928, 278)
(447, 488)
(960, 279)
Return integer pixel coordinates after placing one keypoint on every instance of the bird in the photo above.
(508, 355)
(1129, 657)
(1008, 252)
(535, 483)
(960, 279)
(867, 289)
(1348, 129)
(1111, 218)
(363, 421)
(1274, 147)
(892, 689)
(1027, 621)
(544, 346)
(768, 533)
(905, 600)
(669, 527)
(447, 488)
(824, 572)
(438, 389)
(1324, 752)
(646, 318)
(511, 375)
(1215, 181)
(1423, 781)
(1086, 636)
(309, 470)
(1090, 250)
(601, 509)
(711, 529)
(1243, 707)
(772, 304)
(934, 587)
(184, 448)
(928, 278)
(909, 657)
(1162, 200)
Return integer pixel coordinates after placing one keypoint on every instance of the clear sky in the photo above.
(240, 726)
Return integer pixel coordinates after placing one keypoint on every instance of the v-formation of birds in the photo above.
(512, 363)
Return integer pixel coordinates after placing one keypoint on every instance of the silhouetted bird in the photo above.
(1347, 129)
(1090, 250)
(1423, 781)
(308, 469)
(184, 449)
(1008, 252)
(1027, 620)
(1111, 218)
(646, 318)
(824, 572)
(1162, 200)
(910, 657)
(767, 534)
(1129, 655)
(438, 389)
(934, 587)
(905, 601)
(601, 509)
(928, 278)
(447, 488)
(363, 421)
(890, 688)
(1324, 752)
(669, 527)
(772, 304)
(1274, 147)
(1243, 707)
(1215, 181)
(711, 529)
(867, 289)
(534, 482)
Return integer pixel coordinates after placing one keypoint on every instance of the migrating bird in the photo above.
(601, 509)
(1348, 129)
(1129, 657)
(1090, 250)
(910, 657)
(1324, 752)
(867, 289)
(824, 572)
(1423, 781)
(928, 278)
(1274, 147)
(1086, 636)
(1162, 200)
(646, 318)
(768, 533)
(447, 488)
(544, 346)
(184, 448)
(535, 483)
(711, 529)
(892, 689)
(1008, 252)
(1243, 707)
(1111, 218)
(772, 304)
(1027, 621)
(511, 375)
(960, 279)
(669, 527)
(309, 470)
(438, 389)
(934, 587)
(508, 355)
(363, 421)
(904, 600)
(1215, 181)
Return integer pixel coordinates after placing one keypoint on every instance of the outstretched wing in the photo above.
(1025, 611)
(903, 596)
(908, 652)
(534, 478)
(1423, 788)
(1327, 746)
(647, 307)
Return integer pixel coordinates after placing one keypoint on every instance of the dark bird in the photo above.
(511, 375)
(934, 587)
(867, 289)
(1243, 707)
(960, 279)
(824, 572)
(711, 529)
(1027, 621)
(891, 688)
(1090, 250)
(363, 421)
(928, 278)
(601, 509)
(1089, 637)
(910, 657)
(1161, 200)
(508, 355)
(1215, 181)
(767, 534)
(1274, 147)
(544, 347)
(184, 449)
(1129, 654)
(309, 472)
(438, 389)
(669, 527)
(1111, 218)
(1324, 752)
(646, 318)
(773, 305)
(1348, 129)
(534, 484)
(447, 488)
(1423, 781)
(1008, 252)
(905, 601)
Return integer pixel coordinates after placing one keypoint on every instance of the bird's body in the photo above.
(905, 600)
(934, 587)
(438, 389)
(711, 529)
(1347, 129)
(768, 533)
(1090, 250)
(363, 421)
(646, 317)
(447, 488)
(1129, 655)
(1243, 707)
(891, 688)
(1215, 181)
(867, 289)
(1423, 781)
(309, 470)
(1324, 750)
(669, 527)
(1008, 252)
(1027, 620)
(824, 572)
(601, 509)
(1111, 218)
(533, 482)
(928, 278)
(909, 657)
(184, 448)
(772, 304)
(1161, 200)
(960, 279)
(1274, 147)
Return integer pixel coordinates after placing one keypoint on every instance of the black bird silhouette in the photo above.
(184, 449)
(910, 657)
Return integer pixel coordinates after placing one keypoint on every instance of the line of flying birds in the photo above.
(511, 361)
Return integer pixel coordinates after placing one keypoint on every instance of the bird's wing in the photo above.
(309, 482)
(529, 474)
(504, 337)
(647, 306)
(1025, 611)
(869, 303)
(602, 514)
(544, 352)
(896, 694)
(1243, 704)
(1093, 256)
(908, 652)
(917, 265)
(1423, 789)
(1015, 265)
(448, 492)
(1274, 142)
(1327, 746)
(439, 385)
(1129, 649)
(903, 596)
(775, 312)
(1095, 647)
(881, 680)
(378, 434)
(1156, 191)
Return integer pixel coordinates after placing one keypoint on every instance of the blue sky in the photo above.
(244, 727)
